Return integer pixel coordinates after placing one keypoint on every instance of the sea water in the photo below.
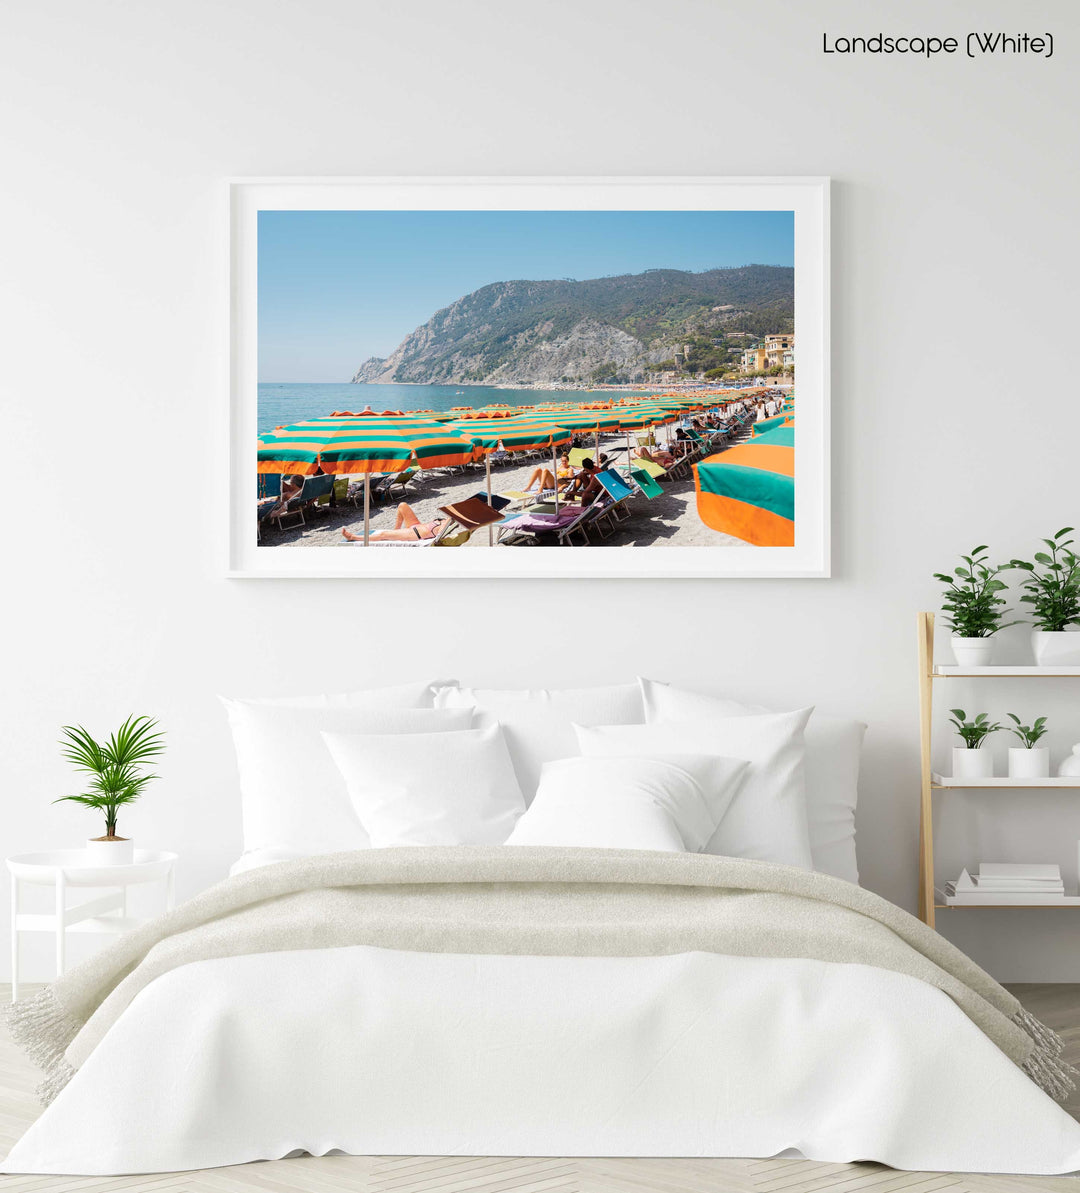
(287, 402)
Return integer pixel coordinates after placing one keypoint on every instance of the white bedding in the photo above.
(253, 1057)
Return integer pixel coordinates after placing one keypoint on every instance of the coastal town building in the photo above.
(773, 351)
(775, 348)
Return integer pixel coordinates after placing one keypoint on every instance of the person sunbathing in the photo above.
(656, 456)
(407, 528)
(541, 474)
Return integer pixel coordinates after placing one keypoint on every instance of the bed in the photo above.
(598, 963)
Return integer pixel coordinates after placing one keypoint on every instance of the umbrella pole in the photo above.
(491, 527)
(555, 474)
(367, 507)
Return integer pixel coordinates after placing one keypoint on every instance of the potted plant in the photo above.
(1052, 589)
(973, 606)
(118, 778)
(970, 761)
(1028, 761)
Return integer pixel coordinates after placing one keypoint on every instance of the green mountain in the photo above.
(613, 328)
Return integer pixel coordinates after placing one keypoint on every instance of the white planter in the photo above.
(1029, 764)
(110, 853)
(972, 652)
(1056, 648)
(972, 764)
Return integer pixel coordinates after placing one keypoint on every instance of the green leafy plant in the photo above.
(1053, 584)
(974, 732)
(1028, 734)
(116, 765)
(971, 597)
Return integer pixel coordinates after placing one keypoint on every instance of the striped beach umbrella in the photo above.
(749, 490)
(362, 445)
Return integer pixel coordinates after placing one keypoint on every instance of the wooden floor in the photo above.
(1058, 1006)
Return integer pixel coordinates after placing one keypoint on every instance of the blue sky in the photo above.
(336, 287)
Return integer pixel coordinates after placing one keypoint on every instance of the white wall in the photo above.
(954, 283)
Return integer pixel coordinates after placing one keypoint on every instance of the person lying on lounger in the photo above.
(407, 527)
(656, 455)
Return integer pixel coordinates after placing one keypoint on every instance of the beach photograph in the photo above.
(491, 380)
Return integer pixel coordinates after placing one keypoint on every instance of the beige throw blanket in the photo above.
(539, 901)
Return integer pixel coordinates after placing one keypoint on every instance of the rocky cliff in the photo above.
(529, 332)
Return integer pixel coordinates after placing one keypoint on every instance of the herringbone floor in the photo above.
(1059, 1006)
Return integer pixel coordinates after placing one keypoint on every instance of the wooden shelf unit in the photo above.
(932, 782)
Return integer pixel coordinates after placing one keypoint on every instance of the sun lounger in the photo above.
(400, 480)
(570, 520)
(269, 498)
(498, 501)
(645, 482)
(314, 488)
(461, 519)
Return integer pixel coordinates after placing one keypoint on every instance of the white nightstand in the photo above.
(64, 868)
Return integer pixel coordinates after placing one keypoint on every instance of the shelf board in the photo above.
(947, 781)
(1027, 671)
(1067, 901)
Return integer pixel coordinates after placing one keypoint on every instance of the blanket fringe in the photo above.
(43, 1030)
(1045, 1066)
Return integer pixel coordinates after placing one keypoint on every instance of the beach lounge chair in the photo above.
(269, 498)
(570, 520)
(462, 518)
(618, 490)
(498, 501)
(654, 469)
(645, 482)
(269, 485)
(400, 480)
(315, 487)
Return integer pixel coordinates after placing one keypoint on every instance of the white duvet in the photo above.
(373, 1051)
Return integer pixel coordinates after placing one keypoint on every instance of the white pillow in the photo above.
(291, 794)
(405, 695)
(539, 722)
(672, 803)
(767, 817)
(430, 788)
(833, 746)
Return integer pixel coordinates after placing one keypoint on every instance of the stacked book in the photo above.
(1006, 883)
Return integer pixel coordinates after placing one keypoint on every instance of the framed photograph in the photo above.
(529, 377)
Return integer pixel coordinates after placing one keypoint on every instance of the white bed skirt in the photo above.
(378, 1052)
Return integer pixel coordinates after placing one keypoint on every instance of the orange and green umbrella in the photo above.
(749, 490)
(512, 434)
(363, 444)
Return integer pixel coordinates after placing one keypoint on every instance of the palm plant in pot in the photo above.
(1029, 760)
(1052, 589)
(973, 607)
(970, 761)
(117, 773)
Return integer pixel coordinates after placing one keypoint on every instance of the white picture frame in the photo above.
(806, 197)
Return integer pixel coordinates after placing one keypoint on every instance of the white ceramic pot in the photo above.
(972, 764)
(1029, 764)
(1056, 648)
(972, 652)
(120, 852)
(1070, 767)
